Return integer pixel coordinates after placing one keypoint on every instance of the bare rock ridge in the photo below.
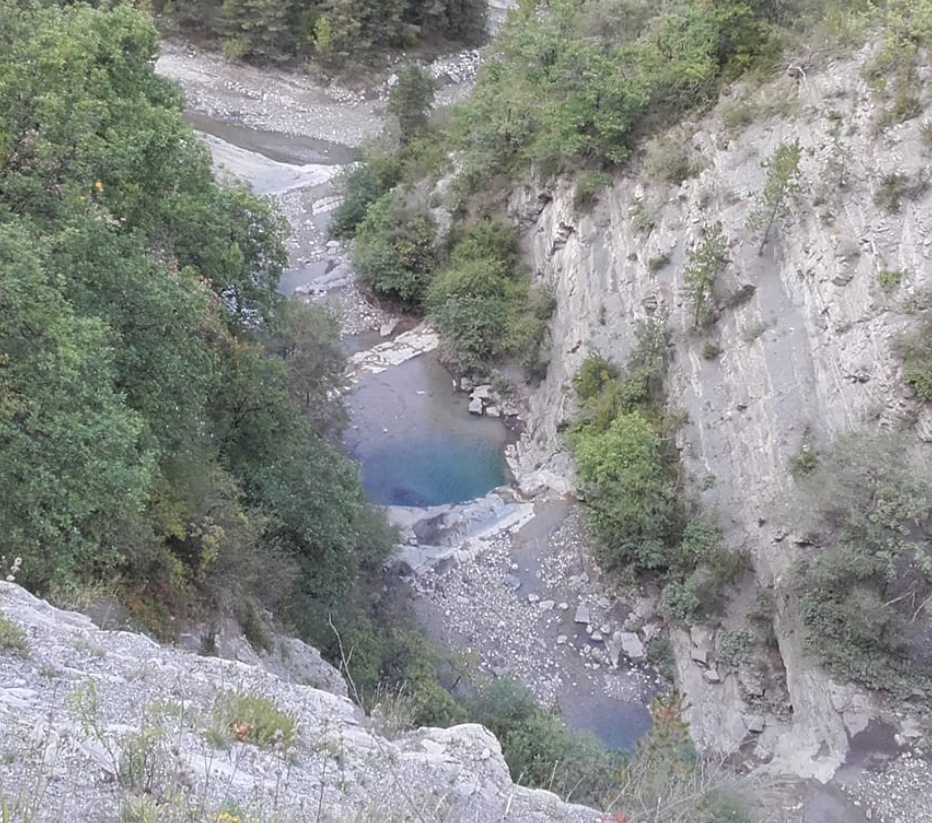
(97, 722)
(807, 357)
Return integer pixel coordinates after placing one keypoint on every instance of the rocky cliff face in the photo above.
(102, 726)
(807, 357)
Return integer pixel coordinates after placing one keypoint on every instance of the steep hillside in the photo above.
(102, 726)
(800, 348)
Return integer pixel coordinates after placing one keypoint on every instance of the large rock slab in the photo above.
(127, 684)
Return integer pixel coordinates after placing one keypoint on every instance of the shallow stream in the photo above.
(416, 443)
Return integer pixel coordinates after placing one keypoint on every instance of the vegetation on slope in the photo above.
(149, 438)
(629, 475)
(865, 582)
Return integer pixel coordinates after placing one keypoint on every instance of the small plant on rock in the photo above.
(915, 347)
(249, 718)
(706, 261)
(889, 279)
(805, 462)
(12, 637)
(589, 184)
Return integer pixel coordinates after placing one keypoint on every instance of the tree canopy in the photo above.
(166, 418)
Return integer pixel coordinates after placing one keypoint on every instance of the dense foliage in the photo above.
(630, 481)
(469, 280)
(410, 100)
(540, 751)
(336, 31)
(582, 81)
(865, 586)
(396, 251)
(148, 437)
(481, 303)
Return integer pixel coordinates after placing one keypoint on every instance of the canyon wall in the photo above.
(807, 357)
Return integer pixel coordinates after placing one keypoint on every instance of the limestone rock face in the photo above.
(805, 331)
(78, 710)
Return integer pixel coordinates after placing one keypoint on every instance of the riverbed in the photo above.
(418, 446)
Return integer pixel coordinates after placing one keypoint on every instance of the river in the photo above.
(420, 451)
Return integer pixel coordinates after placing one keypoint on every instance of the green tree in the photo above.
(362, 185)
(395, 252)
(145, 433)
(631, 502)
(73, 459)
(308, 340)
(706, 261)
(261, 29)
(782, 184)
(410, 100)
(865, 586)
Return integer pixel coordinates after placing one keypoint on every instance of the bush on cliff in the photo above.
(396, 251)
(865, 585)
(482, 303)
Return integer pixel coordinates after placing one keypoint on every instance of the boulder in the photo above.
(632, 646)
(582, 614)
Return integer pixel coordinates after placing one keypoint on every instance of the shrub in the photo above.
(660, 653)
(701, 542)
(915, 348)
(741, 296)
(710, 351)
(539, 750)
(895, 188)
(253, 626)
(864, 587)
(632, 504)
(701, 569)
(669, 160)
(706, 261)
(395, 253)
(667, 778)
(680, 604)
(905, 107)
(250, 718)
(889, 280)
(12, 637)
(410, 99)
(655, 264)
(804, 462)
(762, 615)
(733, 648)
(554, 93)
(362, 185)
(481, 301)
(593, 376)
(588, 185)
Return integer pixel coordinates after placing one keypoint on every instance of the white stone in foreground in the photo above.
(338, 760)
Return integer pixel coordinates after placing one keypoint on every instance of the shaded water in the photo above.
(618, 725)
(416, 442)
(283, 148)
